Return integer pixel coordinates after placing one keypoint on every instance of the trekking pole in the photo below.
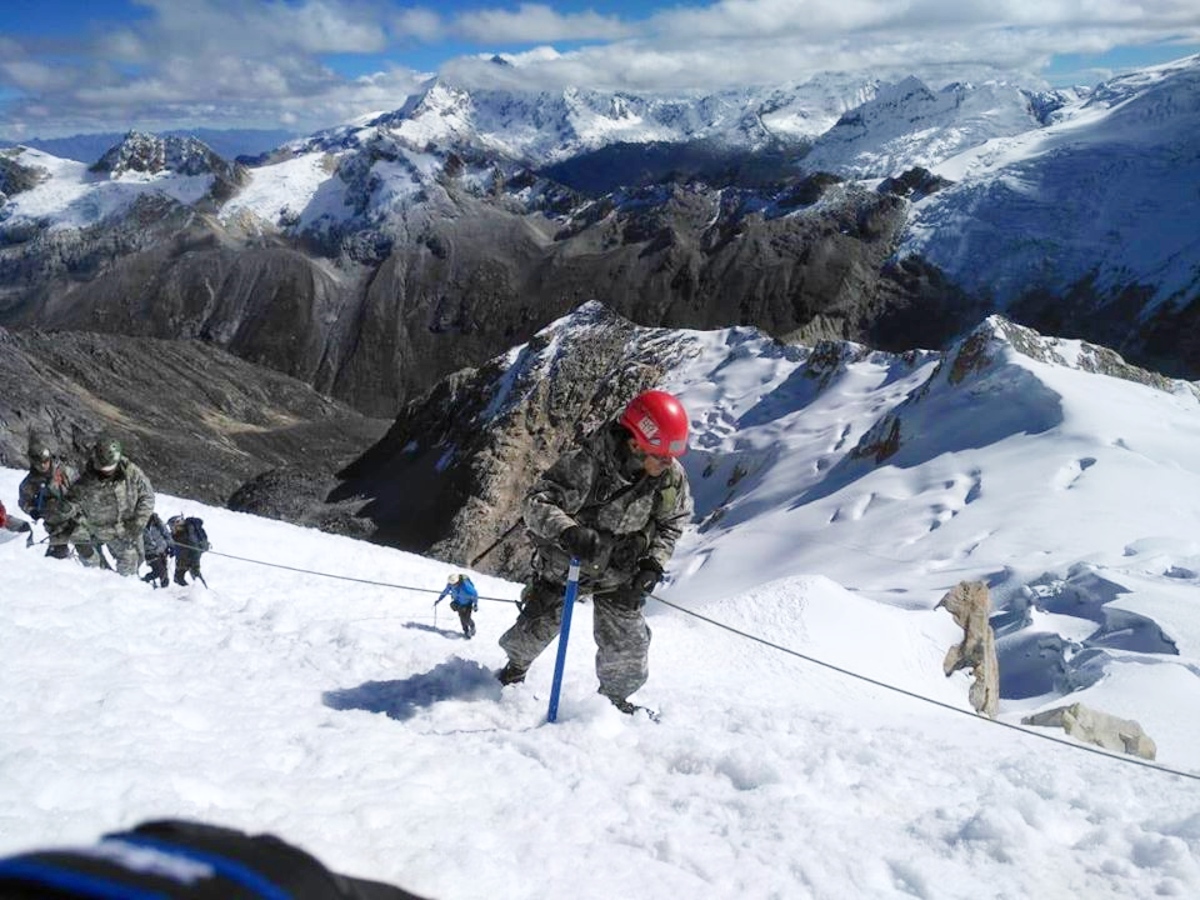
(496, 543)
(564, 632)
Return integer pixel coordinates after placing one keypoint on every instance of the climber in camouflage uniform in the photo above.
(108, 507)
(43, 491)
(618, 504)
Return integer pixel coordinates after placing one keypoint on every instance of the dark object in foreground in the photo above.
(180, 859)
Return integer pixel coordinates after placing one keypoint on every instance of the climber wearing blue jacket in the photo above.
(464, 600)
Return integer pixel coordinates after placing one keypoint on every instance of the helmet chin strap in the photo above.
(628, 456)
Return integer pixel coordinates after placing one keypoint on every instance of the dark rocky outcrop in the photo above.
(448, 478)
(150, 154)
(916, 183)
(15, 177)
(375, 318)
(199, 421)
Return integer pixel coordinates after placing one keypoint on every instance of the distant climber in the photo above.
(12, 523)
(156, 541)
(42, 492)
(191, 542)
(108, 507)
(464, 600)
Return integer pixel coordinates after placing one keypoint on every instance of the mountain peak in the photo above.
(997, 339)
(151, 154)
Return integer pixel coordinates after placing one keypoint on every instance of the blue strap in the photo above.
(84, 884)
(229, 868)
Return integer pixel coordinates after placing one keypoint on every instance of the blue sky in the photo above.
(71, 66)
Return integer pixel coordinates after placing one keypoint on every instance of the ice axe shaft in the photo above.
(496, 543)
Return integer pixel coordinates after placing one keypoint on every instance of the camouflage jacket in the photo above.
(599, 486)
(41, 494)
(114, 507)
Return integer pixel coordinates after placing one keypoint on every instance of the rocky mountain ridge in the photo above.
(448, 478)
(400, 249)
(199, 421)
(539, 128)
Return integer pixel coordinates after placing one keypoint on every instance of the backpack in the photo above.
(194, 534)
(176, 858)
(188, 533)
(156, 539)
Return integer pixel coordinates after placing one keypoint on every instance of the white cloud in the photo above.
(422, 24)
(256, 64)
(534, 22)
(31, 75)
(315, 26)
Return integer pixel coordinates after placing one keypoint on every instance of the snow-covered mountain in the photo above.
(539, 128)
(898, 204)
(1104, 194)
(1024, 161)
(229, 143)
(907, 124)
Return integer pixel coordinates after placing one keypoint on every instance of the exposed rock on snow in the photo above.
(968, 602)
(1099, 728)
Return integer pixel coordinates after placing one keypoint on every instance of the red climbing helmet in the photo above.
(658, 423)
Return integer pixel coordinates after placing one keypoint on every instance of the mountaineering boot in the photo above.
(630, 708)
(623, 705)
(511, 674)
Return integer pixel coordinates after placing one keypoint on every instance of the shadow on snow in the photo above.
(433, 629)
(455, 679)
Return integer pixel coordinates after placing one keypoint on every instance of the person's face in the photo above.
(651, 465)
(43, 464)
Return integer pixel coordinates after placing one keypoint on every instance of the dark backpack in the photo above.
(194, 534)
(156, 539)
(186, 860)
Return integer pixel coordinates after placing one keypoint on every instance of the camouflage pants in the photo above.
(187, 562)
(126, 554)
(59, 537)
(618, 626)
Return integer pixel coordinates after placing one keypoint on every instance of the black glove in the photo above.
(24, 526)
(581, 542)
(628, 551)
(649, 574)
